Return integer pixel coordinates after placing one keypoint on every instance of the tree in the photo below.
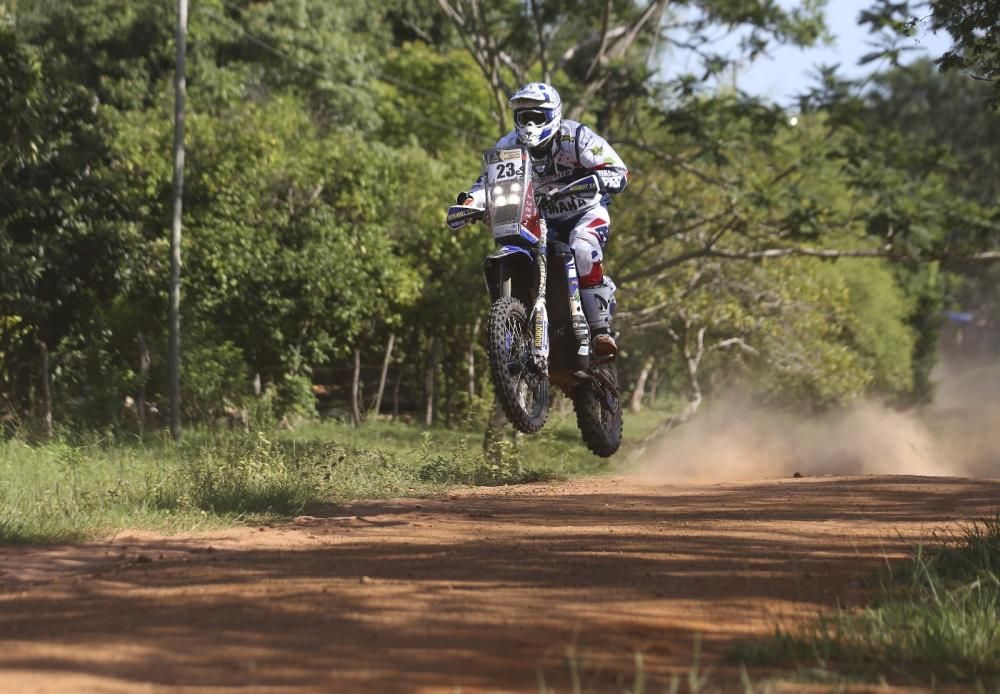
(938, 124)
(974, 27)
(600, 53)
(326, 139)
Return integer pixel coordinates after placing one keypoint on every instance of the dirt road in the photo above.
(485, 590)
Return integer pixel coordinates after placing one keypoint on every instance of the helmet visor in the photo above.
(532, 116)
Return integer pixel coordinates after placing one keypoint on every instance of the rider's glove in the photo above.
(611, 180)
(545, 201)
(464, 198)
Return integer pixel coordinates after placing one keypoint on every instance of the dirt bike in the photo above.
(537, 333)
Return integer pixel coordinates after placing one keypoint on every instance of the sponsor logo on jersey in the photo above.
(567, 205)
(582, 189)
(611, 179)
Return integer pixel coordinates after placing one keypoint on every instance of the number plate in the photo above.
(507, 177)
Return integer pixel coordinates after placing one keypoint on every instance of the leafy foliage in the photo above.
(324, 140)
(974, 26)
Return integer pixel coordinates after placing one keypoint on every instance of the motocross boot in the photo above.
(605, 345)
(598, 307)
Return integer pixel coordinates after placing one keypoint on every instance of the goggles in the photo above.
(532, 116)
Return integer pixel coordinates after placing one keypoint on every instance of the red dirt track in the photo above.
(484, 590)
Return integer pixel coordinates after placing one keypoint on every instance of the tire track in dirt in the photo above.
(480, 590)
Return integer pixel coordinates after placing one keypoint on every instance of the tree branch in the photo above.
(673, 161)
(829, 254)
(543, 46)
(617, 49)
(603, 45)
(480, 46)
(734, 342)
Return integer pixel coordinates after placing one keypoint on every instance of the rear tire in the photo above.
(599, 420)
(523, 393)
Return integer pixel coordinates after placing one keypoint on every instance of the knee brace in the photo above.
(599, 305)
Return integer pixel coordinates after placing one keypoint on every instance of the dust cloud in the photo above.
(734, 438)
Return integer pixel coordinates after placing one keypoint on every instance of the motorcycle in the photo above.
(537, 333)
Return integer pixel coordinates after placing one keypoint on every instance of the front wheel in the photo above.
(598, 408)
(523, 391)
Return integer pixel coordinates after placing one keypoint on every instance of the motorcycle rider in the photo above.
(563, 151)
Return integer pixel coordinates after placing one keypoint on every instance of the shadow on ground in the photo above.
(480, 591)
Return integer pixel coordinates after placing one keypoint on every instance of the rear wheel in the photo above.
(523, 391)
(598, 408)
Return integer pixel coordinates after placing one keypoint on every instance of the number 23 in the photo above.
(506, 170)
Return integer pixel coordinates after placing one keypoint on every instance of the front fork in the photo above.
(581, 329)
(540, 322)
(540, 316)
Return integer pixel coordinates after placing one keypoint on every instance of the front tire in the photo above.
(522, 391)
(598, 408)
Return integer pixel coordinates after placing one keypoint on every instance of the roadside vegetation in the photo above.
(933, 620)
(327, 139)
(85, 488)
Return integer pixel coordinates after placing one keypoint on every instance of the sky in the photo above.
(786, 70)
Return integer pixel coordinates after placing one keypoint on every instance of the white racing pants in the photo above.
(587, 236)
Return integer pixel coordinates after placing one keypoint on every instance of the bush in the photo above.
(294, 397)
(244, 474)
(212, 376)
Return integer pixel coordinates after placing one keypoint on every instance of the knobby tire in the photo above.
(600, 426)
(509, 347)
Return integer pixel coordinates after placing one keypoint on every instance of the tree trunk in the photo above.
(180, 92)
(692, 360)
(385, 372)
(484, 385)
(448, 385)
(355, 388)
(674, 421)
(395, 393)
(471, 361)
(640, 385)
(495, 425)
(430, 377)
(653, 385)
(46, 390)
(144, 362)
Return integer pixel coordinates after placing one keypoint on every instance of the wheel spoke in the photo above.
(523, 391)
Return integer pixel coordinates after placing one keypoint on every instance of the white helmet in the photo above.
(537, 113)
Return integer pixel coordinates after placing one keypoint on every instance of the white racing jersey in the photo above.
(576, 151)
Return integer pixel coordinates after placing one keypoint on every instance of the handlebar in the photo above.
(460, 215)
(589, 185)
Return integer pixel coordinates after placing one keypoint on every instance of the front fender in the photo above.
(505, 251)
(509, 262)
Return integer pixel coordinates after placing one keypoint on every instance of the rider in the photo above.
(563, 151)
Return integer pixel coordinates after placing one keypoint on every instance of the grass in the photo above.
(64, 491)
(934, 620)
(586, 677)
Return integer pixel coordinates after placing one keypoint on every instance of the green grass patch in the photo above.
(936, 619)
(66, 491)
